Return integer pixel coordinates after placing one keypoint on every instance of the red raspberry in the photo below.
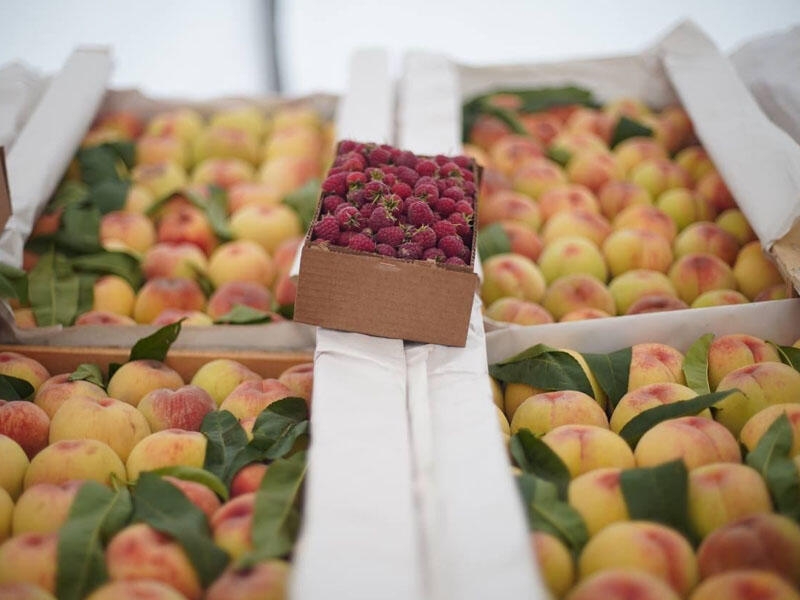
(467, 175)
(419, 213)
(455, 260)
(451, 245)
(444, 228)
(348, 217)
(402, 189)
(464, 207)
(351, 162)
(426, 167)
(389, 179)
(366, 210)
(374, 174)
(346, 146)
(440, 159)
(394, 204)
(406, 159)
(327, 229)
(427, 192)
(409, 250)
(336, 170)
(379, 156)
(392, 235)
(450, 169)
(462, 223)
(356, 179)
(465, 162)
(434, 254)
(361, 242)
(357, 196)
(385, 250)
(335, 184)
(425, 237)
(344, 238)
(444, 206)
(375, 189)
(380, 218)
(407, 175)
(329, 203)
(469, 189)
(456, 193)
(426, 179)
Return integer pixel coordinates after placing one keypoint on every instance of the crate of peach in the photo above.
(174, 210)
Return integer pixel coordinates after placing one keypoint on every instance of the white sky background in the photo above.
(207, 48)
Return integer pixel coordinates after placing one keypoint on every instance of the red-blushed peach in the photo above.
(22, 367)
(729, 352)
(642, 546)
(630, 249)
(705, 237)
(654, 363)
(630, 152)
(58, 389)
(554, 562)
(140, 552)
(285, 290)
(26, 424)
(695, 274)
(246, 193)
(267, 226)
(544, 412)
(584, 448)
(719, 298)
(597, 496)
(188, 318)
(683, 206)
(492, 182)
(235, 293)
(573, 142)
(593, 169)
(754, 271)
(630, 286)
(167, 292)
(649, 396)
(569, 255)
(565, 197)
(486, 131)
(243, 118)
(138, 199)
(160, 180)
(755, 387)
(735, 223)
(615, 196)
(745, 585)
(248, 479)
(135, 589)
(133, 230)
(30, 558)
(762, 541)
(695, 161)
(294, 141)
(582, 314)
(577, 222)
(249, 398)
(521, 312)
(74, 459)
(758, 424)
(536, 176)
(186, 123)
(647, 218)
(226, 142)
(24, 591)
(198, 494)
(187, 225)
(622, 584)
(6, 516)
(232, 525)
(721, 493)
(219, 377)
(658, 175)
(288, 173)
(697, 441)
(711, 187)
(126, 123)
(114, 294)
(591, 120)
(511, 275)
(154, 149)
(136, 378)
(167, 448)
(184, 408)
(15, 464)
(508, 205)
(779, 291)
(241, 260)
(222, 172)
(103, 317)
(522, 240)
(267, 580)
(573, 292)
(284, 254)
(44, 507)
(510, 152)
(678, 128)
(173, 259)
(111, 421)
(633, 108)
(656, 303)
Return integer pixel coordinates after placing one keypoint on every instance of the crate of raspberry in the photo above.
(391, 250)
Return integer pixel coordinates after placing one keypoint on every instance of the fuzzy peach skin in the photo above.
(567, 197)
(753, 271)
(267, 580)
(695, 274)
(133, 230)
(249, 398)
(300, 380)
(544, 412)
(232, 525)
(647, 218)
(629, 287)
(248, 192)
(103, 317)
(584, 448)
(656, 303)
(222, 172)
(188, 318)
(184, 408)
(758, 424)
(74, 459)
(287, 173)
(522, 240)
(241, 260)
(730, 352)
(173, 259)
(44, 507)
(153, 149)
(745, 585)
(166, 448)
(711, 187)
(167, 292)
(779, 291)
(632, 151)
(658, 175)
(695, 440)
(572, 254)
(511, 206)
(695, 160)
(521, 312)
(593, 169)
(15, 464)
(553, 561)
(267, 226)
(112, 293)
(233, 293)
(248, 479)
(218, 141)
(138, 200)
(187, 224)
(707, 238)
(244, 118)
(629, 249)
(219, 377)
(136, 378)
(735, 223)
(622, 584)
(577, 291)
(6, 515)
(512, 151)
(24, 591)
(536, 176)
(198, 494)
(577, 222)
(719, 298)
(756, 387)
(135, 589)
(616, 196)
(22, 367)
(642, 546)
(655, 363)
(646, 397)
(583, 314)
(597, 496)
(161, 179)
(182, 122)
(30, 558)
(724, 492)
(683, 206)
(511, 275)
(25, 423)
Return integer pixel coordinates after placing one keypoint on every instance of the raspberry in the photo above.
(426, 167)
(409, 250)
(425, 237)
(465, 162)
(456, 193)
(380, 218)
(444, 228)
(374, 174)
(406, 159)
(327, 229)
(385, 250)
(462, 223)
(392, 235)
(450, 169)
(389, 179)
(469, 189)
(346, 146)
(467, 175)
(402, 189)
(366, 210)
(440, 159)
(426, 179)
(357, 196)
(352, 162)
(361, 242)
(442, 185)
(444, 206)
(420, 213)
(434, 254)
(379, 156)
(394, 204)
(375, 189)
(329, 203)
(407, 175)
(451, 245)
(455, 260)
(335, 184)
(348, 217)
(336, 170)
(464, 207)
(344, 238)
(356, 179)
(427, 192)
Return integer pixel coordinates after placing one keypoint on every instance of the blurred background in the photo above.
(209, 48)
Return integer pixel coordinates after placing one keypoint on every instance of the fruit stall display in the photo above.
(140, 481)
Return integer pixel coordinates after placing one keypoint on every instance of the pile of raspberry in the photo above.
(386, 201)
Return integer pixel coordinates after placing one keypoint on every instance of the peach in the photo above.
(779, 291)
(232, 525)
(510, 152)
(569, 255)
(285, 290)
(593, 169)
(508, 205)
(74, 459)
(544, 412)
(219, 377)
(708, 238)
(173, 259)
(58, 389)
(198, 494)
(24, 318)
(536, 176)
(755, 387)
(284, 254)
(630, 152)
(486, 131)
(222, 172)
(597, 496)
(729, 352)
(542, 127)
(166, 448)
(656, 303)
(522, 240)
(695, 161)
(189, 318)
(642, 546)
(167, 292)
(160, 180)
(183, 122)
(294, 141)
(26, 424)
(30, 558)
(758, 424)
(135, 589)
(745, 585)
(249, 398)
(6, 515)
(654, 363)
(573, 292)
(187, 225)
(633, 108)
(584, 448)
(695, 274)
(113, 294)
(497, 393)
(124, 122)
(138, 200)
(111, 421)
(683, 206)
(658, 175)
(20, 366)
(554, 562)
(735, 223)
(243, 118)
(674, 128)
(267, 226)
(615, 196)
(154, 149)
(248, 479)
(226, 142)
(696, 440)
(241, 260)
(521, 312)
(103, 317)
(632, 286)
(511, 275)
(44, 507)
(712, 188)
(574, 142)
(721, 493)
(296, 114)
(629, 249)
(505, 428)
(136, 378)
(565, 197)
(235, 293)
(592, 121)
(754, 271)
(647, 218)
(582, 314)
(645, 397)
(288, 173)
(622, 584)
(719, 298)
(141, 552)
(15, 464)
(247, 193)
(133, 230)
(577, 222)
(184, 408)
(267, 580)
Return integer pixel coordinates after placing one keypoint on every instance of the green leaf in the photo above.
(113, 367)
(659, 494)
(85, 292)
(88, 372)
(97, 164)
(13, 283)
(559, 155)
(227, 450)
(201, 476)
(241, 314)
(80, 229)
(545, 368)
(165, 508)
(506, 116)
(108, 262)
(14, 388)
(69, 192)
(533, 456)
(304, 201)
(202, 279)
(628, 128)
(279, 426)
(276, 521)
(549, 514)
(695, 364)
(156, 345)
(638, 425)
(216, 207)
(611, 371)
(97, 513)
(286, 311)
(124, 150)
(789, 356)
(109, 195)
(771, 457)
(53, 290)
(492, 240)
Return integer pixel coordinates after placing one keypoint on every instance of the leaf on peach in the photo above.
(14, 388)
(279, 426)
(545, 368)
(611, 371)
(695, 364)
(771, 457)
(533, 456)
